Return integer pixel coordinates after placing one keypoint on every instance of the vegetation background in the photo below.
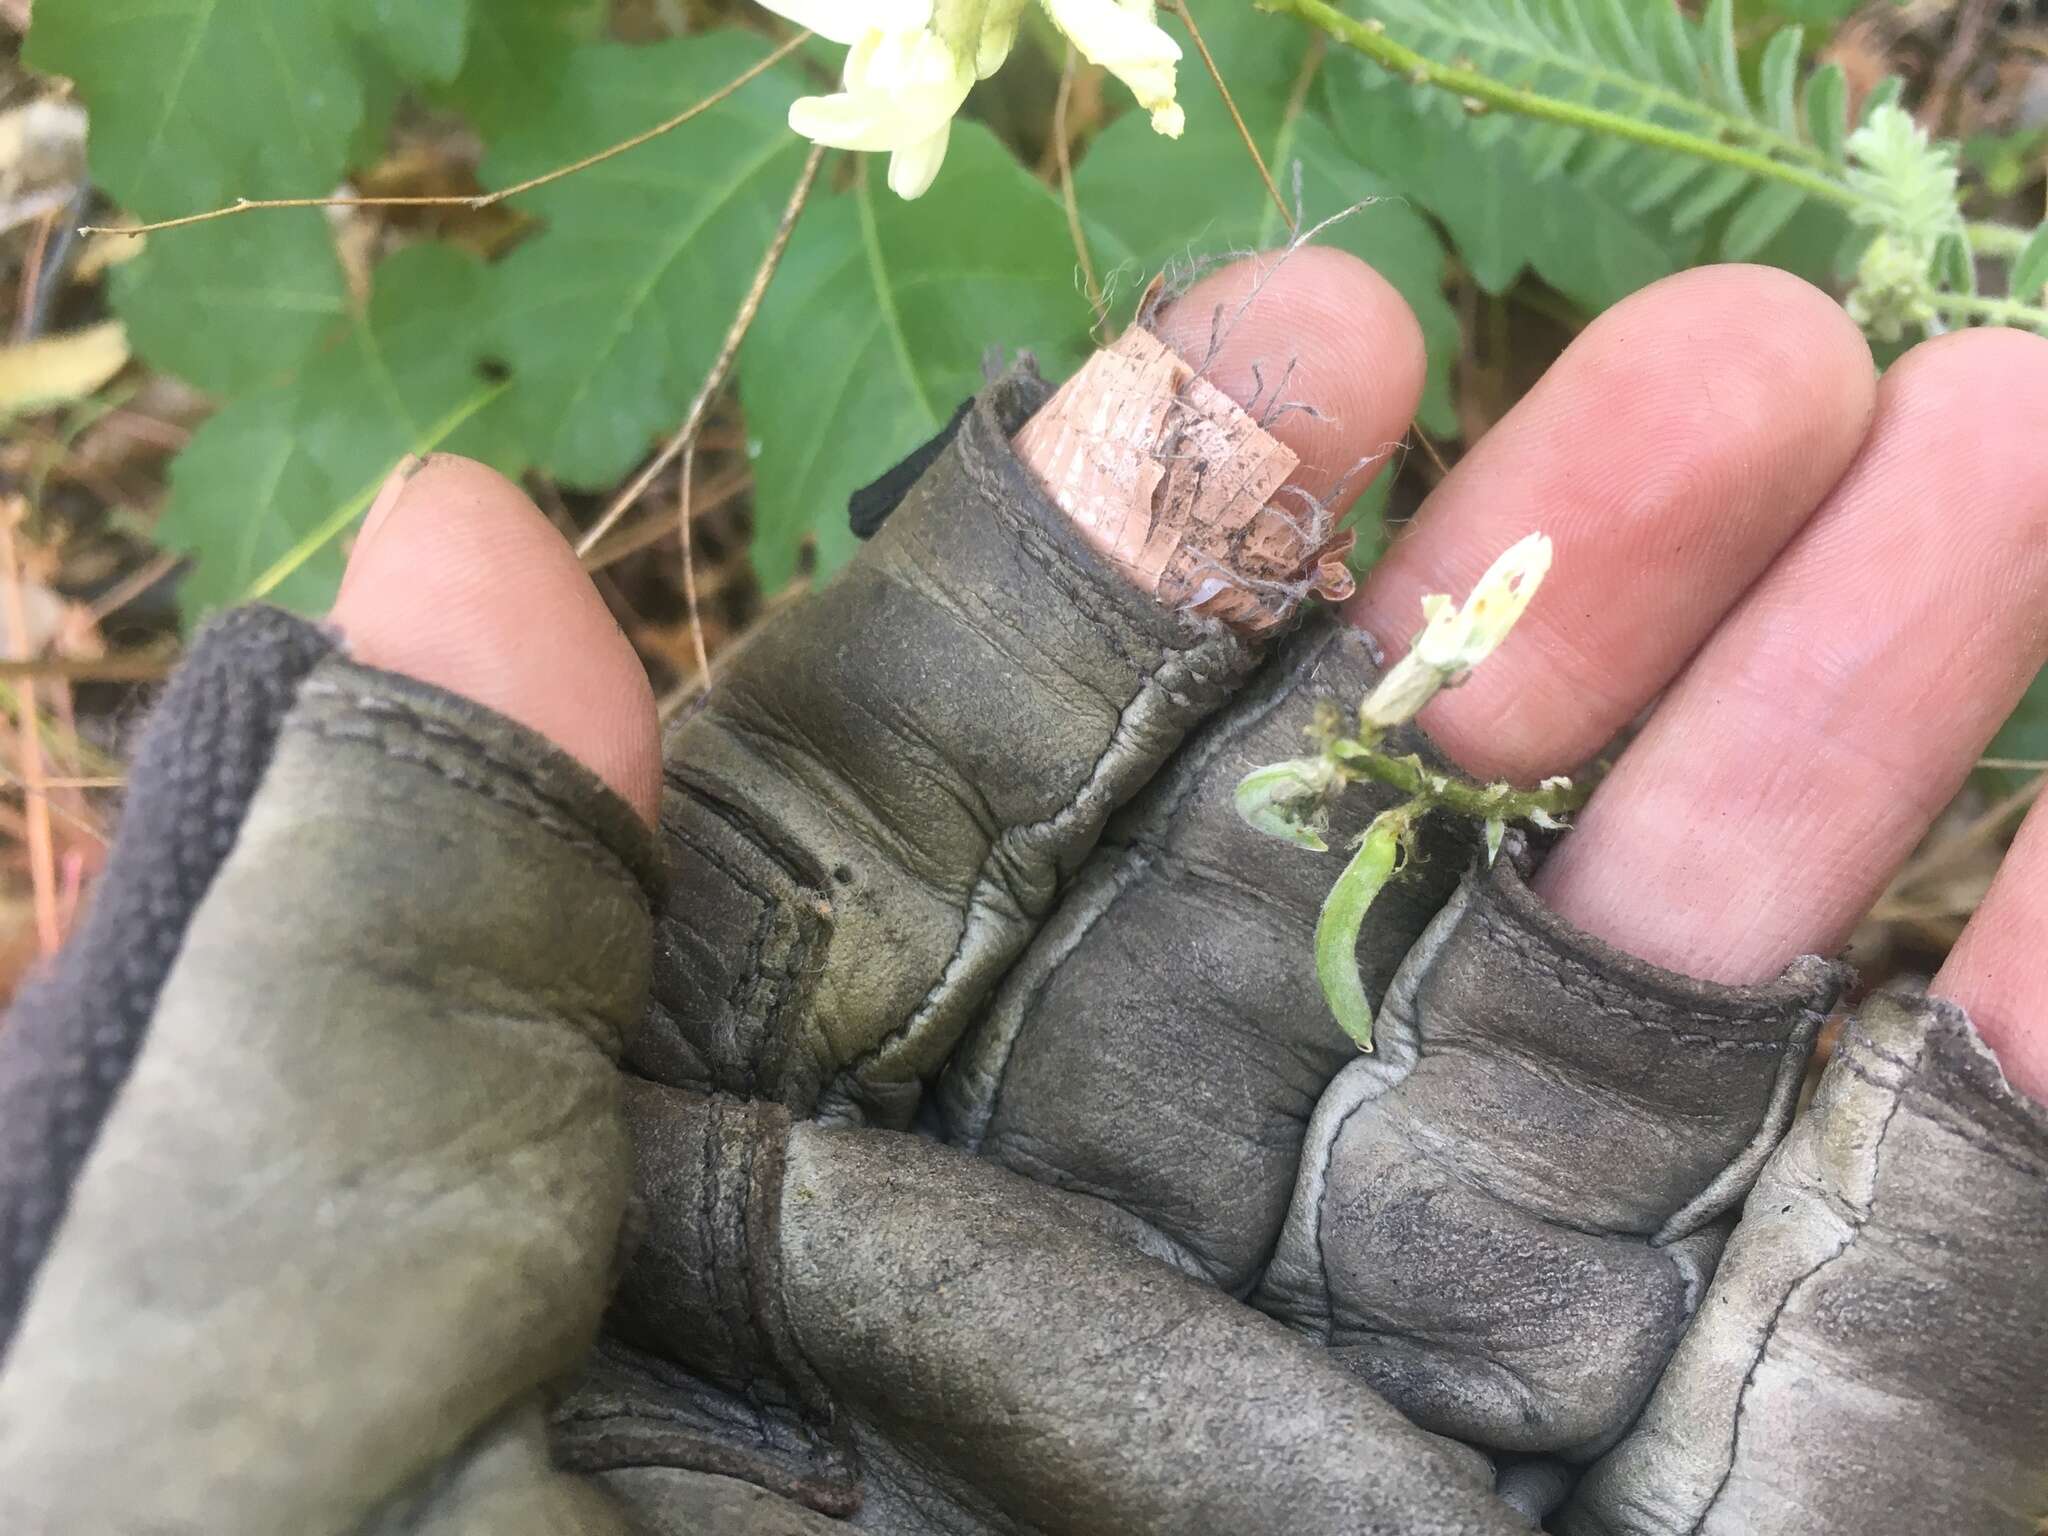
(199, 416)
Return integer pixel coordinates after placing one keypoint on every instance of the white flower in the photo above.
(1456, 639)
(910, 64)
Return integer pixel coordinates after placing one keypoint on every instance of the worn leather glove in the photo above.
(993, 1163)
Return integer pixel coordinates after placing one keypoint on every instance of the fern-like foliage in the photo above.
(1657, 108)
(1645, 61)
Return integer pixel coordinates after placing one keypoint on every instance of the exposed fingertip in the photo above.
(1315, 326)
(1677, 445)
(1995, 969)
(462, 583)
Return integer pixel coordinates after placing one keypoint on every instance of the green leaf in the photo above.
(276, 466)
(1343, 916)
(196, 102)
(2030, 267)
(1824, 13)
(423, 38)
(875, 328)
(1149, 201)
(1758, 221)
(613, 317)
(1717, 44)
(232, 305)
(2025, 733)
(1503, 219)
(519, 52)
(1778, 78)
(1673, 41)
(1710, 196)
(1827, 112)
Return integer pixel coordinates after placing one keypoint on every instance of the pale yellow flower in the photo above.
(910, 64)
(1456, 638)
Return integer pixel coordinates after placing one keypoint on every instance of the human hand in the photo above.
(1736, 506)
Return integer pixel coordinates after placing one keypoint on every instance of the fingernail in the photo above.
(387, 497)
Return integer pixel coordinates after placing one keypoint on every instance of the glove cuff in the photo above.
(1558, 1125)
(1871, 1354)
(363, 1177)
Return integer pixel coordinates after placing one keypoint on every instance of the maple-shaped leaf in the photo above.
(197, 102)
(519, 52)
(612, 316)
(876, 327)
(267, 487)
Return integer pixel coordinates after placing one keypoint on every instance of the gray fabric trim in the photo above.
(73, 1033)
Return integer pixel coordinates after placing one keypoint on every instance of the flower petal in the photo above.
(913, 168)
(901, 89)
(845, 21)
(1126, 41)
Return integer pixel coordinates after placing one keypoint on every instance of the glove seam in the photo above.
(1132, 726)
(533, 802)
(1857, 1219)
(761, 1243)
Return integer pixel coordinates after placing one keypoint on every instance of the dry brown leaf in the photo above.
(54, 369)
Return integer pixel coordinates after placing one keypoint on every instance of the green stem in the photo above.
(1483, 802)
(1973, 306)
(2001, 240)
(1406, 62)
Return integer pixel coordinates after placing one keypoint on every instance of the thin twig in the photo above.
(693, 419)
(690, 565)
(42, 856)
(32, 274)
(483, 199)
(147, 668)
(1179, 8)
(1064, 151)
(103, 781)
(651, 531)
(133, 585)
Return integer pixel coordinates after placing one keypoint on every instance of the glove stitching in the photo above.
(1856, 1220)
(551, 813)
(759, 995)
(1576, 981)
(817, 1410)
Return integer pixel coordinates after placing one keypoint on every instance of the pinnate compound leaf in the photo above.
(612, 317)
(876, 326)
(2030, 267)
(1778, 77)
(1827, 112)
(1503, 218)
(278, 464)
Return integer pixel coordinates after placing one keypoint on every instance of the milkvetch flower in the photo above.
(910, 64)
(1456, 638)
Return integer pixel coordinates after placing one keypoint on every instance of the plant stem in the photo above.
(1422, 70)
(2000, 240)
(1480, 801)
(1989, 311)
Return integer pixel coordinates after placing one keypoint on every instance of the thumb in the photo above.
(459, 581)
